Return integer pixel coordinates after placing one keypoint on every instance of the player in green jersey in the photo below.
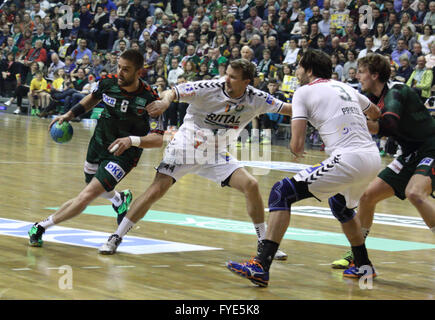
(122, 131)
(404, 117)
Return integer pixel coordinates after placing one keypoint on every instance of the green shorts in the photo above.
(106, 167)
(398, 173)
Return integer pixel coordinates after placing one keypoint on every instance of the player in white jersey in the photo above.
(337, 111)
(217, 112)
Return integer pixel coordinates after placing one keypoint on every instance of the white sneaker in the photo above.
(17, 111)
(280, 255)
(8, 103)
(111, 245)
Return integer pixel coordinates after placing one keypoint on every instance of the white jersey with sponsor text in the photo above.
(335, 109)
(211, 108)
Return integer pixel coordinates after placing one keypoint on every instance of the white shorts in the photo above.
(184, 155)
(348, 174)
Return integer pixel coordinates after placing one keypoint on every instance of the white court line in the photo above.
(91, 267)
(195, 265)
(161, 266)
(21, 269)
(125, 266)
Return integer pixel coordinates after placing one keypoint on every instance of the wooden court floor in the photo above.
(37, 174)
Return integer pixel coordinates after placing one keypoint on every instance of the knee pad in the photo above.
(338, 207)
(286, 192)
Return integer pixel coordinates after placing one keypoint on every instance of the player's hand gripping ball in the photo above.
(61, 133)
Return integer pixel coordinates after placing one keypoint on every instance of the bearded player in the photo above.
(125, 97)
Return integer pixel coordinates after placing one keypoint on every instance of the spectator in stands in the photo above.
(174, 72)
(38, 94)
(385, 46)
(426, 38)
(352, 80)
(430, 57)
(112, 65)
(9, 69)
(81, 51)
(37, 54)
(56, 64)
(400, 50)
(405, 69)
(416, 52)
(421, 79)
(350, 63)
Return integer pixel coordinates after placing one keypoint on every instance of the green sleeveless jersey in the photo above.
(124, 112)
(415, 124)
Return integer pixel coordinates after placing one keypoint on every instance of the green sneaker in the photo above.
(126, 197)
(35, 235)
(382, 153)
(344, 262)
(33, 112)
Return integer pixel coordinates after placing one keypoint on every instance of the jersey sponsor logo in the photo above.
(141, 101)
(426, 162)
(153, 125)
(115, 171)
(109, 100)
(270, 100)
(396, 166)
(225, 120)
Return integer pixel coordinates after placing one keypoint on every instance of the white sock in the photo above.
(365, 232)
(47, 222)
(382, 144)
(124, 227)
(260, 229)
(113, 196)
(433, 230)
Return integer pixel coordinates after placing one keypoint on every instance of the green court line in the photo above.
(297, 234)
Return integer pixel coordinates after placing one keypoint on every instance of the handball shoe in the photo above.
(251, 270)
(111, 245)
(357, 272)
(345, 262)
(35, 235)
(121, 210)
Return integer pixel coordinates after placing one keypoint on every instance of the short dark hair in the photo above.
(134, 56)
(318, 62)
(376, 63)
(247, 67)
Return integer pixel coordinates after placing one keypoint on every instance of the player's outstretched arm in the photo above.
(151, 140)
(286, 109)
(156, 108)
(86, 104)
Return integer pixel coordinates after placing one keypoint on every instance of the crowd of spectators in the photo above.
(54, 53)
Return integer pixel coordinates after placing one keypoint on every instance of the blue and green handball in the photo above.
(61, 133)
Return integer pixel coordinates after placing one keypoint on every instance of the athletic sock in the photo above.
(382, 144)
(124, 227)
(360, 256)
(260, 229)
(267, 254)
(365, 232)
(116, 199)
(47, 222)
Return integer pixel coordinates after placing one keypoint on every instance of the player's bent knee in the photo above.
(338, 207)
(286, 192)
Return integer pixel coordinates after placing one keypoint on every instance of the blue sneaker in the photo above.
(251, 270)
(357, 272)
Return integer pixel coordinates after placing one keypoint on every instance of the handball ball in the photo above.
(61, 133)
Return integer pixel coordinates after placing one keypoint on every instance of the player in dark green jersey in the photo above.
(404, 117)
(122, 132)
